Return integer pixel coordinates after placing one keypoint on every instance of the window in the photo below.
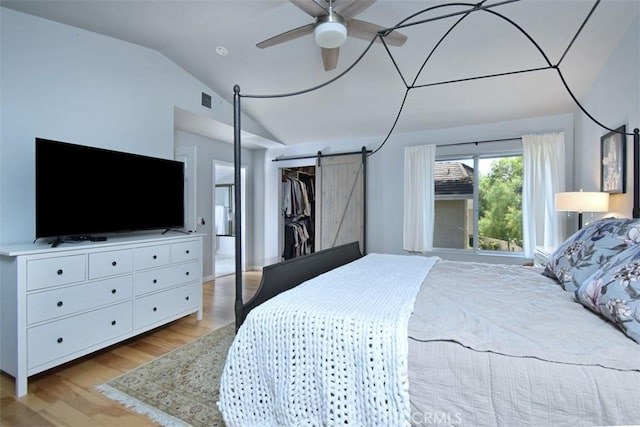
(478, 203)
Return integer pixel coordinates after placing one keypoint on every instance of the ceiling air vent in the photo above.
(206, 100)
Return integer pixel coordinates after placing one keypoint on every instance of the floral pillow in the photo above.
(614, 291)
(589, 248)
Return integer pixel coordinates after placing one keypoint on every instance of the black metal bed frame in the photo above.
(285, 275)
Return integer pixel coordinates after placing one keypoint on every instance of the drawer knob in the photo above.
(60, 340)
(60, 272)
(59, 304)
(113, 291)
(187, 273)
(187, 251)
(155, 308)
(187, 298)
(113, 322)
(155, 257)
(114, 263)
(155, 280)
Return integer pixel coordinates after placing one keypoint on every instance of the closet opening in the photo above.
(297, 208)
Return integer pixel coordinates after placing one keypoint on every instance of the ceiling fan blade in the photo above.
(287, 36)
(330, 58)
(350, 8)
(311, 7)
(366, 31)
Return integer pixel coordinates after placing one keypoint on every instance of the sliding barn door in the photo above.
(340, 206)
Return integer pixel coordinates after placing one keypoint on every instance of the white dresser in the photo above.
(58, 304)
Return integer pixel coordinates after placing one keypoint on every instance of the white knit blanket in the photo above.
(333, 350)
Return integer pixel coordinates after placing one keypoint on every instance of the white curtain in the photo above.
(417, 233)
(543, 157)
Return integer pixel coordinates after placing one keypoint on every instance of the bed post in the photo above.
(237, 204)
(364, 200)
(636, 174)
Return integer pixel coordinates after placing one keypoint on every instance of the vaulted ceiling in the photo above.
(365, 101)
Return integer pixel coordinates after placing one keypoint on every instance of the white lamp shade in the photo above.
(582, 201)
(330, 34)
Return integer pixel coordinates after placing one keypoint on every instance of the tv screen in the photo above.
(82, 191)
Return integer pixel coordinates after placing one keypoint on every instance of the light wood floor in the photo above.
(65, 396)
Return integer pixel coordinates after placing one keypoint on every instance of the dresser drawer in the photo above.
(161, 278)
(53, 340)
(43, 273)
(64, 301)
(156, 307)
(185, 251)
(103, 264)
(152, 256)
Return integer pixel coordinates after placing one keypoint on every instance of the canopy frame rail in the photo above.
(473, 7)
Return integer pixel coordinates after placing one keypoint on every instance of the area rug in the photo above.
(179, 388)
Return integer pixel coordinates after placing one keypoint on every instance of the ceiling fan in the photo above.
(334, 22)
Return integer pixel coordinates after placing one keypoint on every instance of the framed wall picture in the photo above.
(613, 164)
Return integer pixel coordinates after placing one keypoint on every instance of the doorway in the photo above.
(223, 210)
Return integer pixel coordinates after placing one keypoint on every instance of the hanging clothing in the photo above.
(287, 203)
(298, 240)
(295, 197)
(298, 204)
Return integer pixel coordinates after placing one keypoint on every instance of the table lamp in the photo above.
(582, 201)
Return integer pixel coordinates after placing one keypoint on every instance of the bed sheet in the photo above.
(504, 345)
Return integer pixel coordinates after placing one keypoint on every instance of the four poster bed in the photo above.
(338, 337)
(472, 343)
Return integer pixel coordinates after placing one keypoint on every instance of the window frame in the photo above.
(476, 157)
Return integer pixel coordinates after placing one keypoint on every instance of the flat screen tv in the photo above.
(83, 191)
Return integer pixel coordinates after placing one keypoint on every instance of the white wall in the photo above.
(385, 178)
(64, 83)
(613, 100)
(208, 151)
(225, 174)
(264, 200)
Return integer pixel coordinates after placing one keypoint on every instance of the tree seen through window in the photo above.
(496, 224)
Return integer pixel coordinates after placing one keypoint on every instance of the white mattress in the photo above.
(504, 345)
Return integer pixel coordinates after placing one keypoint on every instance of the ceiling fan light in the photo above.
(330, 34)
